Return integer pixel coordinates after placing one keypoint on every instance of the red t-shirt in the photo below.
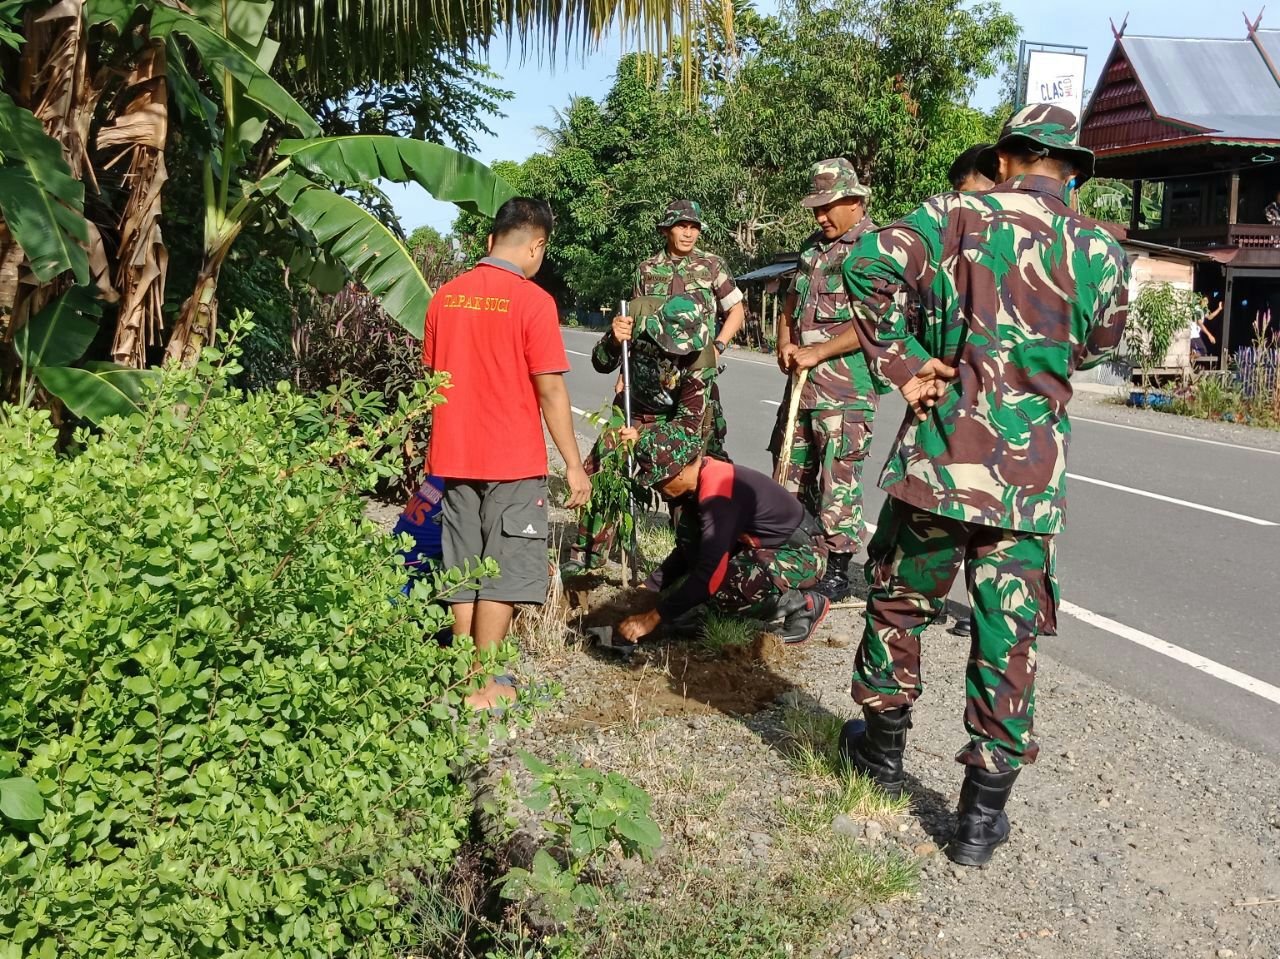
(492, 331)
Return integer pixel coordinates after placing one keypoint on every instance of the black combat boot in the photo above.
(835, 585)
(874, 746)
(800, 612)
(982, 824)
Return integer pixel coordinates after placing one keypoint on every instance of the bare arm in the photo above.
(733, 321)
(807, 357)
(786, 343)
(553, 400)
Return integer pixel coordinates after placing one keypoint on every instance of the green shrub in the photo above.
(242, 746)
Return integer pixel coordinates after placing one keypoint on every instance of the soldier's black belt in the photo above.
(808, 531)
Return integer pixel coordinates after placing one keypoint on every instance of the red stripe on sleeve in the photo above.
(717, 577)
(716, 480)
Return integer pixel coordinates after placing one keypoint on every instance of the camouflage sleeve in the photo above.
(727, 292)
(607, 355)
(877, 269)
(1110, 314)
(637, 282)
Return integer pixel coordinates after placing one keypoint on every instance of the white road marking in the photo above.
(772, 402)
(576, 353)
(1175, 436)
(578, 411)
(1185, 656)
(1165, 648)
(1173, 499)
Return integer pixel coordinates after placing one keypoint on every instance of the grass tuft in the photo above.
(655, 539)
(720, 632)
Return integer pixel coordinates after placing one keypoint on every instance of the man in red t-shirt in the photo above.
(497, 334)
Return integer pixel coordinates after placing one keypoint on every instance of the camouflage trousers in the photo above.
(756, 577)
(827, 454)
(719, 427)
(911, 562)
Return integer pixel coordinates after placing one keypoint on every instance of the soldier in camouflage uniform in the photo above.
(743, 542)
(672, 364)
(681, 268)
(839, 399)
(1017, 292)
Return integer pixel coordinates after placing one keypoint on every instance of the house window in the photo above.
(1184, 203)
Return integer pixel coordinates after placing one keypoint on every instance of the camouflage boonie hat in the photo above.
(682, 211)
(833, 180)
(663, 451)
(1045, 125)
(677, 323)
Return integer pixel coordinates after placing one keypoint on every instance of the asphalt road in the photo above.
(1137, 572)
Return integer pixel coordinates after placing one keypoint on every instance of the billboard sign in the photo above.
(1054, 77)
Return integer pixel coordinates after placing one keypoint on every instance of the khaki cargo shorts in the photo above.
(502, 521)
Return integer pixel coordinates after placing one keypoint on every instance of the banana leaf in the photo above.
(444, 173)
(42, 204)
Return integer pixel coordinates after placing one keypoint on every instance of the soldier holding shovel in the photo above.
(833, 397)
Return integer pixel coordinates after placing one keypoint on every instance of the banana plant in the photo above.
(182, 53)
(57, 337)
(298, 185)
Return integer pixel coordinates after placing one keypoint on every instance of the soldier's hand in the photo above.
(628, 434)
(579, 487)
(622, 327)
(635, 628)
(806, 358)
(785, 355)
(924, 389)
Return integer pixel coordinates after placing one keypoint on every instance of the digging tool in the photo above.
(631, 546)
(783, 473)
(602, 637)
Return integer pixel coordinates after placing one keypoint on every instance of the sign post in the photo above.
(1052, 73)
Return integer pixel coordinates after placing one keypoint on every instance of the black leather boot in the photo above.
(835, 584)
(874, 746)
(798, 613)
(981, 825)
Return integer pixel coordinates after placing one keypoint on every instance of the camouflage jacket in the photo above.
(665, 275)
(1018, 292)
(824, 311)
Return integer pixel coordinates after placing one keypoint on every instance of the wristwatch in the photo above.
(720, 346)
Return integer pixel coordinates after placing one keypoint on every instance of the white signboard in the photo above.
(1056, 78)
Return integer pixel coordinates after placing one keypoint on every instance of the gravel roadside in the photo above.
(1134, 834)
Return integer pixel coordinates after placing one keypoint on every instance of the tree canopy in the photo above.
(885, 83)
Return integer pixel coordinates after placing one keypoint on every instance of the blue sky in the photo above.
(541, 87)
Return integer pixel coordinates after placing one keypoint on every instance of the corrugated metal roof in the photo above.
(1223, 87)
(768, 272)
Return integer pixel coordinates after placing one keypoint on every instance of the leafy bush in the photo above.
(242, 746)
(1159, 311)
(589, 813)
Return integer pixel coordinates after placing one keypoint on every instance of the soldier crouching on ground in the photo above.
(1017, 291)
(839, 399)
(743, 543)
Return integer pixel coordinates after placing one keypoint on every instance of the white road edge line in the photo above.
(1173, 499)
(1175, 436)
(772, 402)
(1185, 656)
(1236, 678)
(576, 353)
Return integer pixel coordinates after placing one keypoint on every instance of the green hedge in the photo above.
(243, 747)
